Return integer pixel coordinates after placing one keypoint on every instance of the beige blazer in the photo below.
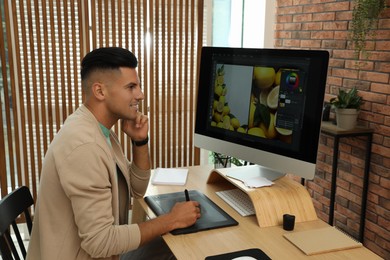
(77, 214)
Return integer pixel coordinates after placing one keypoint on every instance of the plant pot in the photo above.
(346, 118)
(221, 161)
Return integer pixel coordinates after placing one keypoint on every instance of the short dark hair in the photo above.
(107, 58)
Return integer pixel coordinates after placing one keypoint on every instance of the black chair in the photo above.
(11, 206)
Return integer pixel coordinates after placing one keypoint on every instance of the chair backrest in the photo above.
(11, 206)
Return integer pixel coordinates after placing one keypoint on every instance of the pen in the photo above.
(187, 195)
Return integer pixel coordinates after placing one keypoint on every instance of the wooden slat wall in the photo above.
(177, 35)
(44, 64)
(43, 85)
(167, 70)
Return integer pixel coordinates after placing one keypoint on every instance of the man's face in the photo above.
(123, 93)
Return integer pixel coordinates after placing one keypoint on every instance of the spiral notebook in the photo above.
(323, 240)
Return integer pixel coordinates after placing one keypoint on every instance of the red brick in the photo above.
(333, 44)
(289, 10)
(362, 65)
(341, 25)
(302, 18)
(337, 6)
(348, 213)
(348, 195)
(382, 67)
(380, 88)
(381, 35)
(302, 35)
(375, 228)
(385, 183)
(341, 35)
(372, 117)
(358, 190)
(292, 26)
(381, 109)
(314, 8)
(281, 3)
(381, 150)
(322, 35)
(283, 34)
(302, 2)
(374, 76)
(310, 43)
(284, 18)
(343, 54)
(379, 56)
(382, 46)
(344, 15)
(373, 198)
(387, 121)
(384, 24)
(373, 97)
(379, 190)
(312, 26)
(351, 178)
(384, 203)
(328, 16)
(345, 73)
(353, 225)
(291, 43)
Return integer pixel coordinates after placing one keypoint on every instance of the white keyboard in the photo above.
(238, 200)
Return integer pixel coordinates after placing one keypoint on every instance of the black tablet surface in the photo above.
(212, 216)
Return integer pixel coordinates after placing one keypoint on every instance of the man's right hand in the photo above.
(185, 214)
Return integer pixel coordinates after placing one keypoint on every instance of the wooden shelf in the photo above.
(286, 196)
(337, 133)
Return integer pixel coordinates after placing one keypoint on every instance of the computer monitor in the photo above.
(263, 106)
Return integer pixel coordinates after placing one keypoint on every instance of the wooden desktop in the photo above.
(248, 234)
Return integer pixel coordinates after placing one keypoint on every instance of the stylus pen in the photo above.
(187, 195)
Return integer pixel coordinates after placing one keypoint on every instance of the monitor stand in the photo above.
(251, 171)
(285, 196)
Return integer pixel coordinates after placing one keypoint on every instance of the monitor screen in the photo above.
(263, 106)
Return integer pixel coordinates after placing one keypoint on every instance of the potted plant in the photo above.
(347, 105)
(365, 17)
(223, 161)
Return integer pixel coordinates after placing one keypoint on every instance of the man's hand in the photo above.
(136, 129)
(185, 214)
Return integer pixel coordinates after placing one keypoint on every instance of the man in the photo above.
(82, 206)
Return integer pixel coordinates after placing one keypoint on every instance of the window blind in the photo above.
(44, 42)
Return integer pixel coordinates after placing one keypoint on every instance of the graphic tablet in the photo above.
(212, 216)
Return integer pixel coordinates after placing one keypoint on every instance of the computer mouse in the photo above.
(244, 258)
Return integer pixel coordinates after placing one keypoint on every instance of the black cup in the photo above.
(288, 222)
(326, 112)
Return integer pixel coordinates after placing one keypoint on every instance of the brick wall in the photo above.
(308, 24)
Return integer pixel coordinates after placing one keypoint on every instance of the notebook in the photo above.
(212, 216)
(321, 240)
(169, 176)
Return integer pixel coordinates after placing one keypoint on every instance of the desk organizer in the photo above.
(270, 203)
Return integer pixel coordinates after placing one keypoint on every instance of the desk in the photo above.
(246, 235)
(332, 130)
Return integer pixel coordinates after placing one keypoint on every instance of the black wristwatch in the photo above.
(140, 143)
